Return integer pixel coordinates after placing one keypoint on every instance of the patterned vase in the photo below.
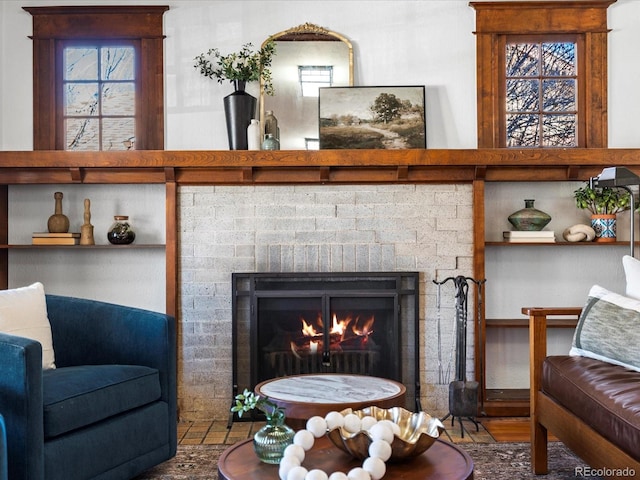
(605, 227)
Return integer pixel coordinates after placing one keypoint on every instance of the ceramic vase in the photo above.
(605, 227)
(253, 135)
(239, 109)
(529, 218)
(120, 232)
(270, 142)
(270, 441)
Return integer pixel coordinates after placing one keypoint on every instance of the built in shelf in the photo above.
(557, 244)
(524, 323)
(83, 247)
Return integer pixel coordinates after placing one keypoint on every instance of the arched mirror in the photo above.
(307, 57)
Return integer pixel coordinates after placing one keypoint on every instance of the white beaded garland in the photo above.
(373, 467)
(368, 422)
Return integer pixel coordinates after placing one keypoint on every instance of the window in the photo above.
(542, 73)
(541, 101)
(99, 97)
(89, 95)
(313, 77)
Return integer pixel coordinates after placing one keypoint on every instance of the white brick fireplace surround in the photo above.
(225, 229)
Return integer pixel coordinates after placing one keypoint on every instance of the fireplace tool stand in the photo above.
(463, 394)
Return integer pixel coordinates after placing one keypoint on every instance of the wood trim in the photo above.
(53, 25)
(496, 20)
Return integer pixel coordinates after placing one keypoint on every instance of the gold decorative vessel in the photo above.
(418, 431)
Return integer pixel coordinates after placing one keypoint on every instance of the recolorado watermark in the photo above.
(604, 472)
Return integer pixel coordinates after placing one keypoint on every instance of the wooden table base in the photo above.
(443, 461)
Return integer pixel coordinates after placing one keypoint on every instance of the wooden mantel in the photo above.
(325, 166)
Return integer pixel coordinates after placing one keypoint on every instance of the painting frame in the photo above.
(377, 117)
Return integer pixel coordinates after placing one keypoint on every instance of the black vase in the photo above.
(239, 109)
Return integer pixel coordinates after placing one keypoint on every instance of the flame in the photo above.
(308, 330)
(366, 329)
(346, 330)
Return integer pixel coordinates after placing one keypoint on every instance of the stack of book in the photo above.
(522, 236)
(46, 238)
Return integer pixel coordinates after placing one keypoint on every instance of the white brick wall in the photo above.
(225, 229)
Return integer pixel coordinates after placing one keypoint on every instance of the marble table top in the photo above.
(330, 388)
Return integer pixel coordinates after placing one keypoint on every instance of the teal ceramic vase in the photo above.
(529, 218)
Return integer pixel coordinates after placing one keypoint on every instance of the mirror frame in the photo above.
(305, 33)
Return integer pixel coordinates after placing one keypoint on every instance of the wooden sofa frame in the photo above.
(549, 416)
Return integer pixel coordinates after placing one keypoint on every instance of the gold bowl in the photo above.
(418, 431)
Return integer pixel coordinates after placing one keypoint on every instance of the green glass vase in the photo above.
(529, 218)
(270, 441)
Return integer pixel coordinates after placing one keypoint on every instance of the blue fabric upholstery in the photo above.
(116, 373)
(3, 450)
(75, 397)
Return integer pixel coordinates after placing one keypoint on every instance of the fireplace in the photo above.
(297, 323)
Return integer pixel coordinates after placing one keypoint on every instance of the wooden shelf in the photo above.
(84, 247)
(524, 323)
(558, 244)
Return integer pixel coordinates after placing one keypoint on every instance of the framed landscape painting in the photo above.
(372, 117)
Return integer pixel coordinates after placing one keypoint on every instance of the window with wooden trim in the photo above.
(98, 78)
(542, 73)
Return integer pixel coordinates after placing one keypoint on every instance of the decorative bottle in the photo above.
(271, 124)
(270, 142)
(253, 135)
(529, 218)
(120, 232)
(58, 223)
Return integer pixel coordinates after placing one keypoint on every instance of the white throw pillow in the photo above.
(632, 273)
(23, 313)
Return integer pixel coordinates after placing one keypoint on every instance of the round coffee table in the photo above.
(303, 396)
(442, 461)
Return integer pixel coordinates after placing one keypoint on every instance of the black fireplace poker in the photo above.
(463, 394)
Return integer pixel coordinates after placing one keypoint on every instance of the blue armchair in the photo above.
(108, 410)
(3, 451)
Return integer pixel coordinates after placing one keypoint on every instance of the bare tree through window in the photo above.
(541, 94)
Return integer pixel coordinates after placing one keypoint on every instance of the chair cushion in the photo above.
(75, 397)
(604, 396)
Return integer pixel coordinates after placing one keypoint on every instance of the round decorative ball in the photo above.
(338, 476)
(317, 426)
(368, 422)
(358, 473)
(395, 428)
(295, 451)
(380, 431)
(304, 438)
(375, 467)
(297, 473)
(334, 420)
(287, 464)
(316, 474)
(380, 449)
(352, 423)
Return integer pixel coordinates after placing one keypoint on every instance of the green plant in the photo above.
(245, 65)
(602, 200)
(247, 401)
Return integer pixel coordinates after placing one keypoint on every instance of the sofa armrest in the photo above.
(21, 402)
(537, 353)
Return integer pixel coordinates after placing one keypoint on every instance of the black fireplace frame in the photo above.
(404, 287)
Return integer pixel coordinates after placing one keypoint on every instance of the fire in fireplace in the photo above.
(297, 323)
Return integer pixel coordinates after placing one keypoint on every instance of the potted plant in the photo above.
(270, 441)
(603, 203)
(239, 68)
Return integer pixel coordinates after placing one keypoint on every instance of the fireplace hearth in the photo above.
(351, 323)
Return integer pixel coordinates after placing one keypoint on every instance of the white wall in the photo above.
(396, 42)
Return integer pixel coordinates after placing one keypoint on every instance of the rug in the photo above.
(492, 461)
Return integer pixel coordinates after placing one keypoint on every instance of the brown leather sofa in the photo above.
(593, 407)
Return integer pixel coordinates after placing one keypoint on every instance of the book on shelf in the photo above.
(530, 240)
(55, 235)
(43, 238)
(529, 234)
